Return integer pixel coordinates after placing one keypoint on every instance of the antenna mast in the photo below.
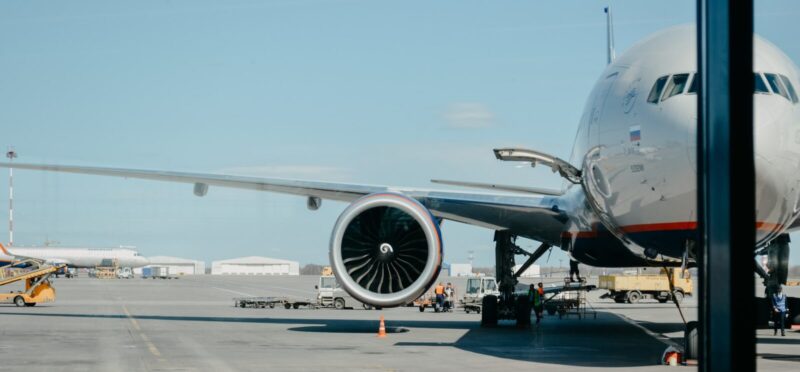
(11, 155)
(610, 35)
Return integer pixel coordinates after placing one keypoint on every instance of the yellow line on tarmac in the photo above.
(150, 345)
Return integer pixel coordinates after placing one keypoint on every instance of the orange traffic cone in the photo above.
(382, 329)
(672, 356)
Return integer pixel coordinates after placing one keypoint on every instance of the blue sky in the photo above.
(353, 91)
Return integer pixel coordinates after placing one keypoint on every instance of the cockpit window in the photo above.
(676, 85)
(695, 83)
(790, 88)
(765, 83)
(776, 85)
(761, 86)
(658, 87)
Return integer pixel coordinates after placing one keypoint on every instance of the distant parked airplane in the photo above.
(74, 257)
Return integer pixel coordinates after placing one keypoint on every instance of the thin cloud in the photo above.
(468, 115)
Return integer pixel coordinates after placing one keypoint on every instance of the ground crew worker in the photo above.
(536, 301)
(450, 293)
(779, 310)
(573, 270)
(439, 291)
(540, 309)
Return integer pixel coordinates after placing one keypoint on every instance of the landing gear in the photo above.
(489, 313)
(523, 313)
(508, 305)
(777, 262)
(774, 275)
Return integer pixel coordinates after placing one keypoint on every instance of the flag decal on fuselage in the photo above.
(636, 133)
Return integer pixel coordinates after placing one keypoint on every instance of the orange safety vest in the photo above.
(541, 291)
(439, 289)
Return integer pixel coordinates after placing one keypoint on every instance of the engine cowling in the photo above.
(386, 249)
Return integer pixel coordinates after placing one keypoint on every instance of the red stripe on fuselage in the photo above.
(660, 227)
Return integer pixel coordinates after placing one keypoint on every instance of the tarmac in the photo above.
(190, 324)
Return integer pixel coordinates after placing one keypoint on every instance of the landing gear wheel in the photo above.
(634, 297)
(489, 313)
(338, 304)
(422, 309)
(523, 312)
(691, 341)
(287, 306)
(296, 306)
(19, 301)
(271, 306)
(677, 296)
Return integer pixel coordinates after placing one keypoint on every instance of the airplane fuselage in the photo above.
(636, 144)
(81, 257)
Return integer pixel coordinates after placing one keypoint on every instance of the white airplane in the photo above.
(629, 196)
(74, 257)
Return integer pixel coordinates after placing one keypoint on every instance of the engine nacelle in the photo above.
(386, 249)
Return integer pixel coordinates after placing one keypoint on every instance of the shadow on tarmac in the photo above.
(779, 341)
(606, 341)
(781, 357)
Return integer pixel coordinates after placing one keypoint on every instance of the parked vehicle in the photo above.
(331, 294)
(633, 288)
(125, 273)
(478, 287)
(153, 272)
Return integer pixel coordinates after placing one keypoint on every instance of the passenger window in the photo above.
(761, 86)
(776, 85)
(789, 87)
(694, 84)
(676, 85)
(658, 87)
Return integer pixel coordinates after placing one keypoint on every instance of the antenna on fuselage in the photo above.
(610, 35)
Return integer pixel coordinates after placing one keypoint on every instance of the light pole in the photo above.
(11, 155)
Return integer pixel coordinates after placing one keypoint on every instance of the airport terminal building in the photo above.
(255, 265)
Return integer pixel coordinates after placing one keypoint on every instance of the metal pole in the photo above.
(11, 155)
(726, 185)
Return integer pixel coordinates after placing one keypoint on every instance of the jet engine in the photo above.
(386, 249)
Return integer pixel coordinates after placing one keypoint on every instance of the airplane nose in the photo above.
(777, 146)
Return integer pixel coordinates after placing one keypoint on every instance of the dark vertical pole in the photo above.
(726, 185)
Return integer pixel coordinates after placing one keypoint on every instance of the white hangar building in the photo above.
(255, 265)
(176, 265)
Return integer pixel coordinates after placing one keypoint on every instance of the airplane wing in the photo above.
(794, 227)
(534, 216)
